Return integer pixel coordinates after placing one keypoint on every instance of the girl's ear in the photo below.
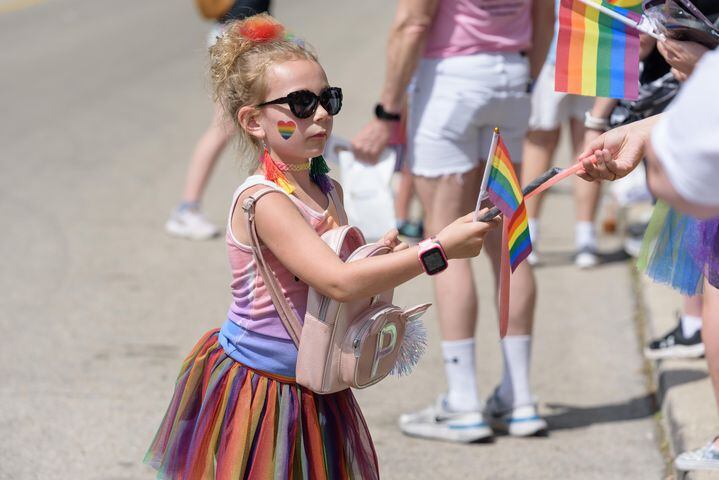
(247, 118)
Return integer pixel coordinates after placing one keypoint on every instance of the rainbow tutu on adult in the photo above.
(226, 421)
(667, 255)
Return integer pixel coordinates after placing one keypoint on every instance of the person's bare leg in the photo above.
(538, 150)
(511, 407)
(586, 200)
(586, 194)
(208, 149)
(444, 199)
(710, 335)
(692, 305)
(405, 190)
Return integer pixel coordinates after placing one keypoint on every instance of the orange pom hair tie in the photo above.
(261, 29)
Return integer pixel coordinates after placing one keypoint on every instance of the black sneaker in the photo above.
(675, 345)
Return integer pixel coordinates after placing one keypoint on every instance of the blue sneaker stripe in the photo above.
(471, 425)
(526, 419)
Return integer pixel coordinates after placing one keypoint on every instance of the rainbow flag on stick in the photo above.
(598, 55)
(504, 191)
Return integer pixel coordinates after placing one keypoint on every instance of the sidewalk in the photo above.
(684, 389)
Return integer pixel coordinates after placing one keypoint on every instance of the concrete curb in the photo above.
(682, 386)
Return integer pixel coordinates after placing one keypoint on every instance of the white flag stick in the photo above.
(641, 26)
(485, 177)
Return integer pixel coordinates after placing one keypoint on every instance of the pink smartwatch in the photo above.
(432, 256)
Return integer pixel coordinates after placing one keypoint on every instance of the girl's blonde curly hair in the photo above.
(239, 61)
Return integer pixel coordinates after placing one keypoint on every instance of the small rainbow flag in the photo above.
(597, 55)
(504, 191)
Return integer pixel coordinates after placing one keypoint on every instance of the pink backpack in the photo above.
(342, 345)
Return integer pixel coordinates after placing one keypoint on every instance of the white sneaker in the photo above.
(439, 423)
(522, 421)
(586, 257)
(191, 224)
(705, 458)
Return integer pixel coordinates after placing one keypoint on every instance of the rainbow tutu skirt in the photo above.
(226, 421)
(667, 250)
(706, 249)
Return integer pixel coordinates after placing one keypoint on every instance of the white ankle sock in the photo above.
(585, 235)
(690, 325)
(514, 389)
(461, 378)
(533, 224)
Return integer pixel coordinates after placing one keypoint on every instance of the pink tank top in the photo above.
(252, 307)
(467, 27)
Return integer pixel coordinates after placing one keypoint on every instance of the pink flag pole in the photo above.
(504, 272)
(569, 171)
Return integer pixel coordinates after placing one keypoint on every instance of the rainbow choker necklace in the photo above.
(294, 167)
(274, 172)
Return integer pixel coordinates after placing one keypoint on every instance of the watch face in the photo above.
(433, 261)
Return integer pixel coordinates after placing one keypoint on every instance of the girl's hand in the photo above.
(464, 237)
(391, 239)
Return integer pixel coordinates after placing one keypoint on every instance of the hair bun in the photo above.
(261, 29)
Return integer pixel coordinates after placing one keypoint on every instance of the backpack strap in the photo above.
(339, 207)
(284, 310)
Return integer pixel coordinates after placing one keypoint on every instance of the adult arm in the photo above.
(407, 38)
(542, 33)
(683, 161)
(661, 186)
(684, 158)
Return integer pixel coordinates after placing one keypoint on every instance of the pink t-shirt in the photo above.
(467, 27)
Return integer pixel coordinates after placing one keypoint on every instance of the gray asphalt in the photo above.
(101, 103)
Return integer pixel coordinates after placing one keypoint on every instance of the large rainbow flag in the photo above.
(596, 54)
(506, 194)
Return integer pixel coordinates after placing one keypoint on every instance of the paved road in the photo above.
(101, 104)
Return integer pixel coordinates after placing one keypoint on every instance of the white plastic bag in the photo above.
(367, 191)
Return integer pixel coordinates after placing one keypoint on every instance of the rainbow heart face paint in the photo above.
(286, 129)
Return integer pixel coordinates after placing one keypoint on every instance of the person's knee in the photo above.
(442, 199)
(543, 138)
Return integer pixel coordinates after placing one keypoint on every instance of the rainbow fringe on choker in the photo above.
(318, 174)
(275, 172)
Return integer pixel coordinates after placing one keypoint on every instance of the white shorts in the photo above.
(454, 105)
(549, 108)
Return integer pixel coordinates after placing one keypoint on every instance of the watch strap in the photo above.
(383, 114)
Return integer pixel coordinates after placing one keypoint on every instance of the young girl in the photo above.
(236, 411)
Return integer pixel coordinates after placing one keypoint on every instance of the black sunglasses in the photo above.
(303, 103)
